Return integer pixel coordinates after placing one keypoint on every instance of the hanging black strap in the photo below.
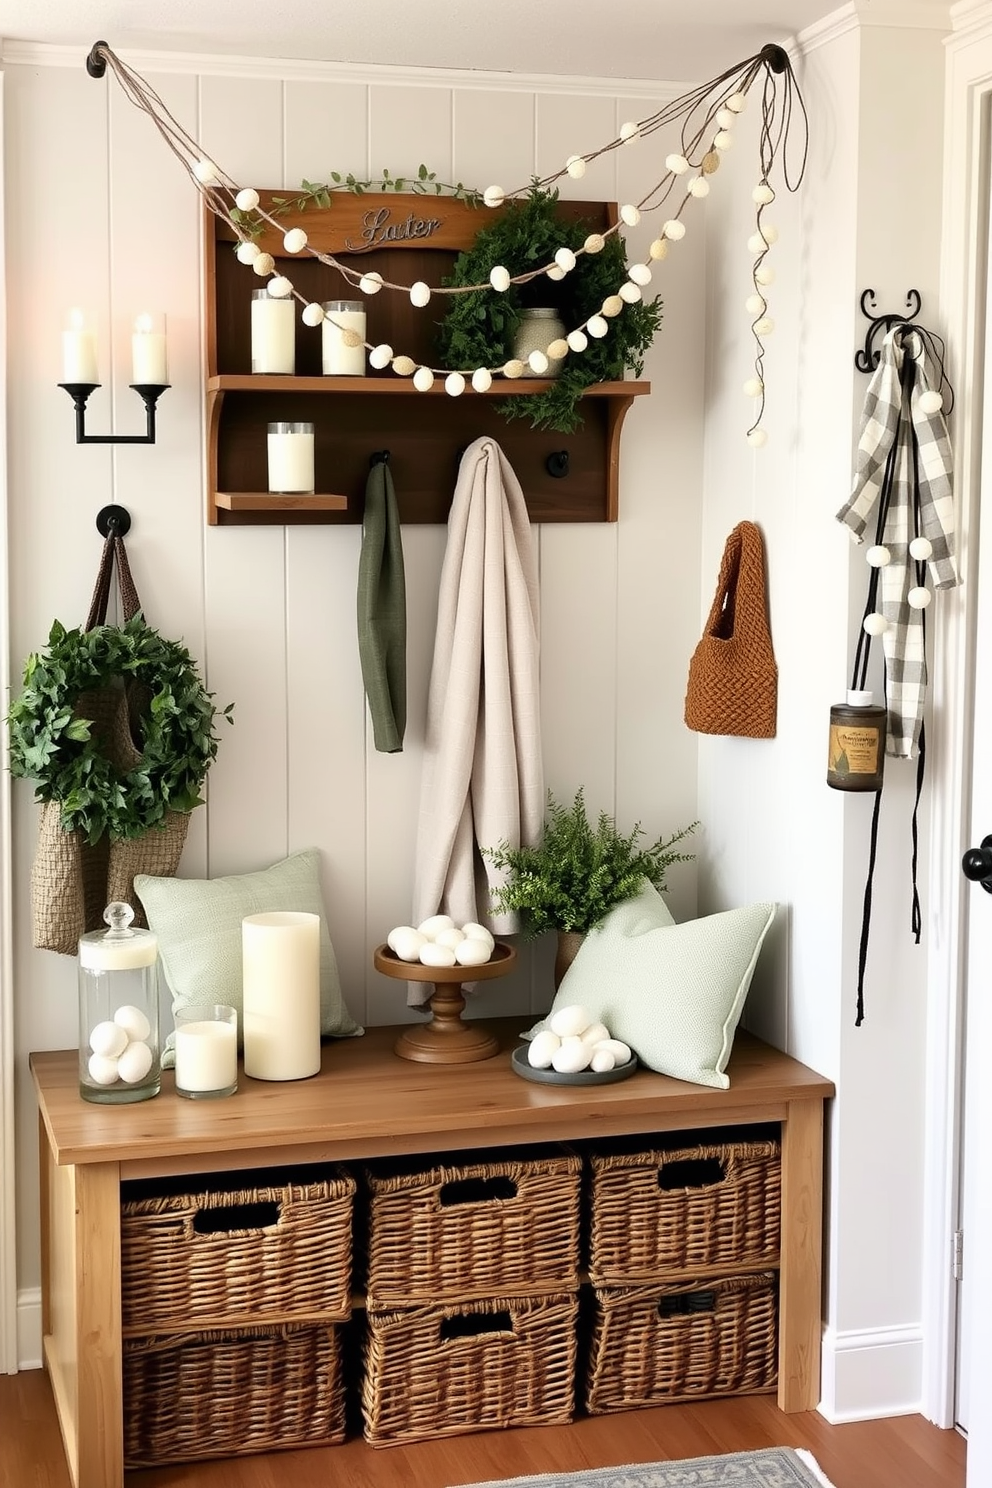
(113, 552)
(866, 911)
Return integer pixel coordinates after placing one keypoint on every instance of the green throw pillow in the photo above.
(198, 924)
(674, 993)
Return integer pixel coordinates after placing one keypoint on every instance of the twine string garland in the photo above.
(708, 113)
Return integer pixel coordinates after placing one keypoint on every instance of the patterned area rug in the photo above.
(773, 1467)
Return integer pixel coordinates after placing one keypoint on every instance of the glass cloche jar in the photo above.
(119, 1056)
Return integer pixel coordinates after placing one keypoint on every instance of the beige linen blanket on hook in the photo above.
(483, 778)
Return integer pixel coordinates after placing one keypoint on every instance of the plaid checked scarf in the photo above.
(904, 456)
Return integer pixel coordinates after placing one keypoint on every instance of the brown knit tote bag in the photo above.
(733, 678)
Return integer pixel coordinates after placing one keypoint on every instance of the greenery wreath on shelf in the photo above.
(55, 744)
(479, 328)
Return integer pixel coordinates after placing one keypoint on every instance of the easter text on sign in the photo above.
(377, 229)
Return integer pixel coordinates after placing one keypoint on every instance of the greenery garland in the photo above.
(479, 328)
(56, 747)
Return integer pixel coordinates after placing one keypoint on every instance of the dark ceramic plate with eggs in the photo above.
(520, 1066)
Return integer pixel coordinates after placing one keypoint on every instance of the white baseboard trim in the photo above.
(29, 1328)
(871, 1374)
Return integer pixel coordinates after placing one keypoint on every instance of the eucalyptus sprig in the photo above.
(55, 741)
(321, 193)
(479, 327)
(578, 871)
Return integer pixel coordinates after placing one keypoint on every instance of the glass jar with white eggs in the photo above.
(119, 1055)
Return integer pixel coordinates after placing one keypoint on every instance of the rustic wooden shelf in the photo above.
(354, 417)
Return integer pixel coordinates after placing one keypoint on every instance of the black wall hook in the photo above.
(557, 464)
(378, 457)
(866, 360)
(113, 521)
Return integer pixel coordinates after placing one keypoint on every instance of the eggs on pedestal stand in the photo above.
(448, 955)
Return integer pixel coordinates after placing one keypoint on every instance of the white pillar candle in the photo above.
(148, 359)
(344, 321)
(290, 454)
(78, 350)
(273, 334)
(281, 967)
(206, 1051)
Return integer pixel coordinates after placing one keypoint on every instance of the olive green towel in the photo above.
(382, 611)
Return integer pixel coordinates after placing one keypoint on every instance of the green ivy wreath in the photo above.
(172, 717)
(478, 329)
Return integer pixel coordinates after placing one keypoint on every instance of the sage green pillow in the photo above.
(198, 924)
(674, 993)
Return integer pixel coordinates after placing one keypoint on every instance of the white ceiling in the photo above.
(669, 40)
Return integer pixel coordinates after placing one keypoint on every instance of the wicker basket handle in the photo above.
(691, 1172)
(740, 587)
(477, 1190)
(466, 1325)
(216, 1218)
(113, 549)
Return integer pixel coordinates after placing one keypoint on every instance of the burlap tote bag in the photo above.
(73, 881)
(733, 678)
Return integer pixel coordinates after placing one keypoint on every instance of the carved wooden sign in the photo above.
(360, 224)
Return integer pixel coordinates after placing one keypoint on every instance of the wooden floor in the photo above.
(905, 1452)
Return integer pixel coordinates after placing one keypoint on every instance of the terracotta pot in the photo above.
(566, 952)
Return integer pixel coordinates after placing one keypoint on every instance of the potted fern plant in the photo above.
(578, 871)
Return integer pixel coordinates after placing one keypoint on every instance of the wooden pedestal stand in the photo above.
(446, 1039)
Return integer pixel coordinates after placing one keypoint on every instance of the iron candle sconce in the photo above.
(149, 392)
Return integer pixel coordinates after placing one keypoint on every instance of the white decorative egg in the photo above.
(436, 955)
(408, 943)
(477, 932)
(602, 1061)
(399, 930)
(133, 1021)
(134, 1063)
(102, 1069)
(572, 1056)
(569, 1022)
(108, 1039)
(432, 926)
(472, 951)
(596, 1033)
(619, 1050)
(452, 937)
(542, 1049)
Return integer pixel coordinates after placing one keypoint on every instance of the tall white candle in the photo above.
(207, 1051)
(78, 350)
(281, 996)
(148, 359)
(273, 334)
(344, 321)
(290, 457)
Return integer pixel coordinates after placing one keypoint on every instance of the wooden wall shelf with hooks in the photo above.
(425, 433)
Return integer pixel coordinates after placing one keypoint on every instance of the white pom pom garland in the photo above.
(482, 379)
(312, 314)
(753, 387)
(597, 326)
(295, 240)
(423, 379)
(640, 273)
(565, 259)
(611, 306)
(723, 139)
(513, 368)
(674, 230)
(577, 340)
(919, 598)
(404, 366)
(630, 214)
(370, 284)
(921, 548)
(263, 264)
(380, 356)
(246, 200)
(499, 278)
(576, 167)
(875, 625)
(280, 287)
(757, 438)
(494, 196)
(454, 384)
(930, 401)
(629, 131)
(630, 292)
(677, 164)
(762, 194)
(206, 172)
(420, 294)
(878, 556)
(247, 253)
(538, 362)
(594, 243)
(698, 187)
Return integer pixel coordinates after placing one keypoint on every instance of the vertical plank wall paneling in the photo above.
(327, 130)
(241, 125)
(54, 488)
(270, 612)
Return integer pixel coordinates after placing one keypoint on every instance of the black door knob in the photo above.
(977, 864)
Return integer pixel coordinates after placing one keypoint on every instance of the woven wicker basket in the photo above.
(710, 1204)
(659, 1343)
(284, 1248)
(484, 1229)
(427, 1374)
(222, 1394)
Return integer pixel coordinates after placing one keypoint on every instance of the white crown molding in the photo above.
(217, 64)
(905, 15)
(971, 20)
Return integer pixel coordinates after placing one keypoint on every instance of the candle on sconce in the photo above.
(281, 995)
(148, 357)
(79, 350)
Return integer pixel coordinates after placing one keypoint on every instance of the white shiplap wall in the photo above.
(270, 612)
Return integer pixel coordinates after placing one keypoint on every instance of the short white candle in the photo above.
(207, 1054)
(290, 457)
(78, 350)
(148, 359)
(340, 360)
(273, 334)
(281, 967)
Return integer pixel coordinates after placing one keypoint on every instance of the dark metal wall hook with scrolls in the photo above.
(866, 360)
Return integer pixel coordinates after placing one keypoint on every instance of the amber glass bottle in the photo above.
(856, 757)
